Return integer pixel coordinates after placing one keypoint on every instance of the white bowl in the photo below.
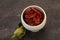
(34, 28)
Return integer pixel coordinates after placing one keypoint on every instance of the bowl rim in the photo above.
(40, 8)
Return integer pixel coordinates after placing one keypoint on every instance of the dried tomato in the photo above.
(35, 10)
(28, 11)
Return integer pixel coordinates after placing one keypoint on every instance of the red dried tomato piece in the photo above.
(30, 16)
(35, 10)
(36, 20)
(27, 16)
(28, 11)
(33, 15)
(31, 12)
(41, 15)
(30, 22)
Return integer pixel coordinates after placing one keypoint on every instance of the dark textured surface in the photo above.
(10, 11)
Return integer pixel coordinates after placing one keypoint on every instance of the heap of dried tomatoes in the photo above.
(33, 16)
